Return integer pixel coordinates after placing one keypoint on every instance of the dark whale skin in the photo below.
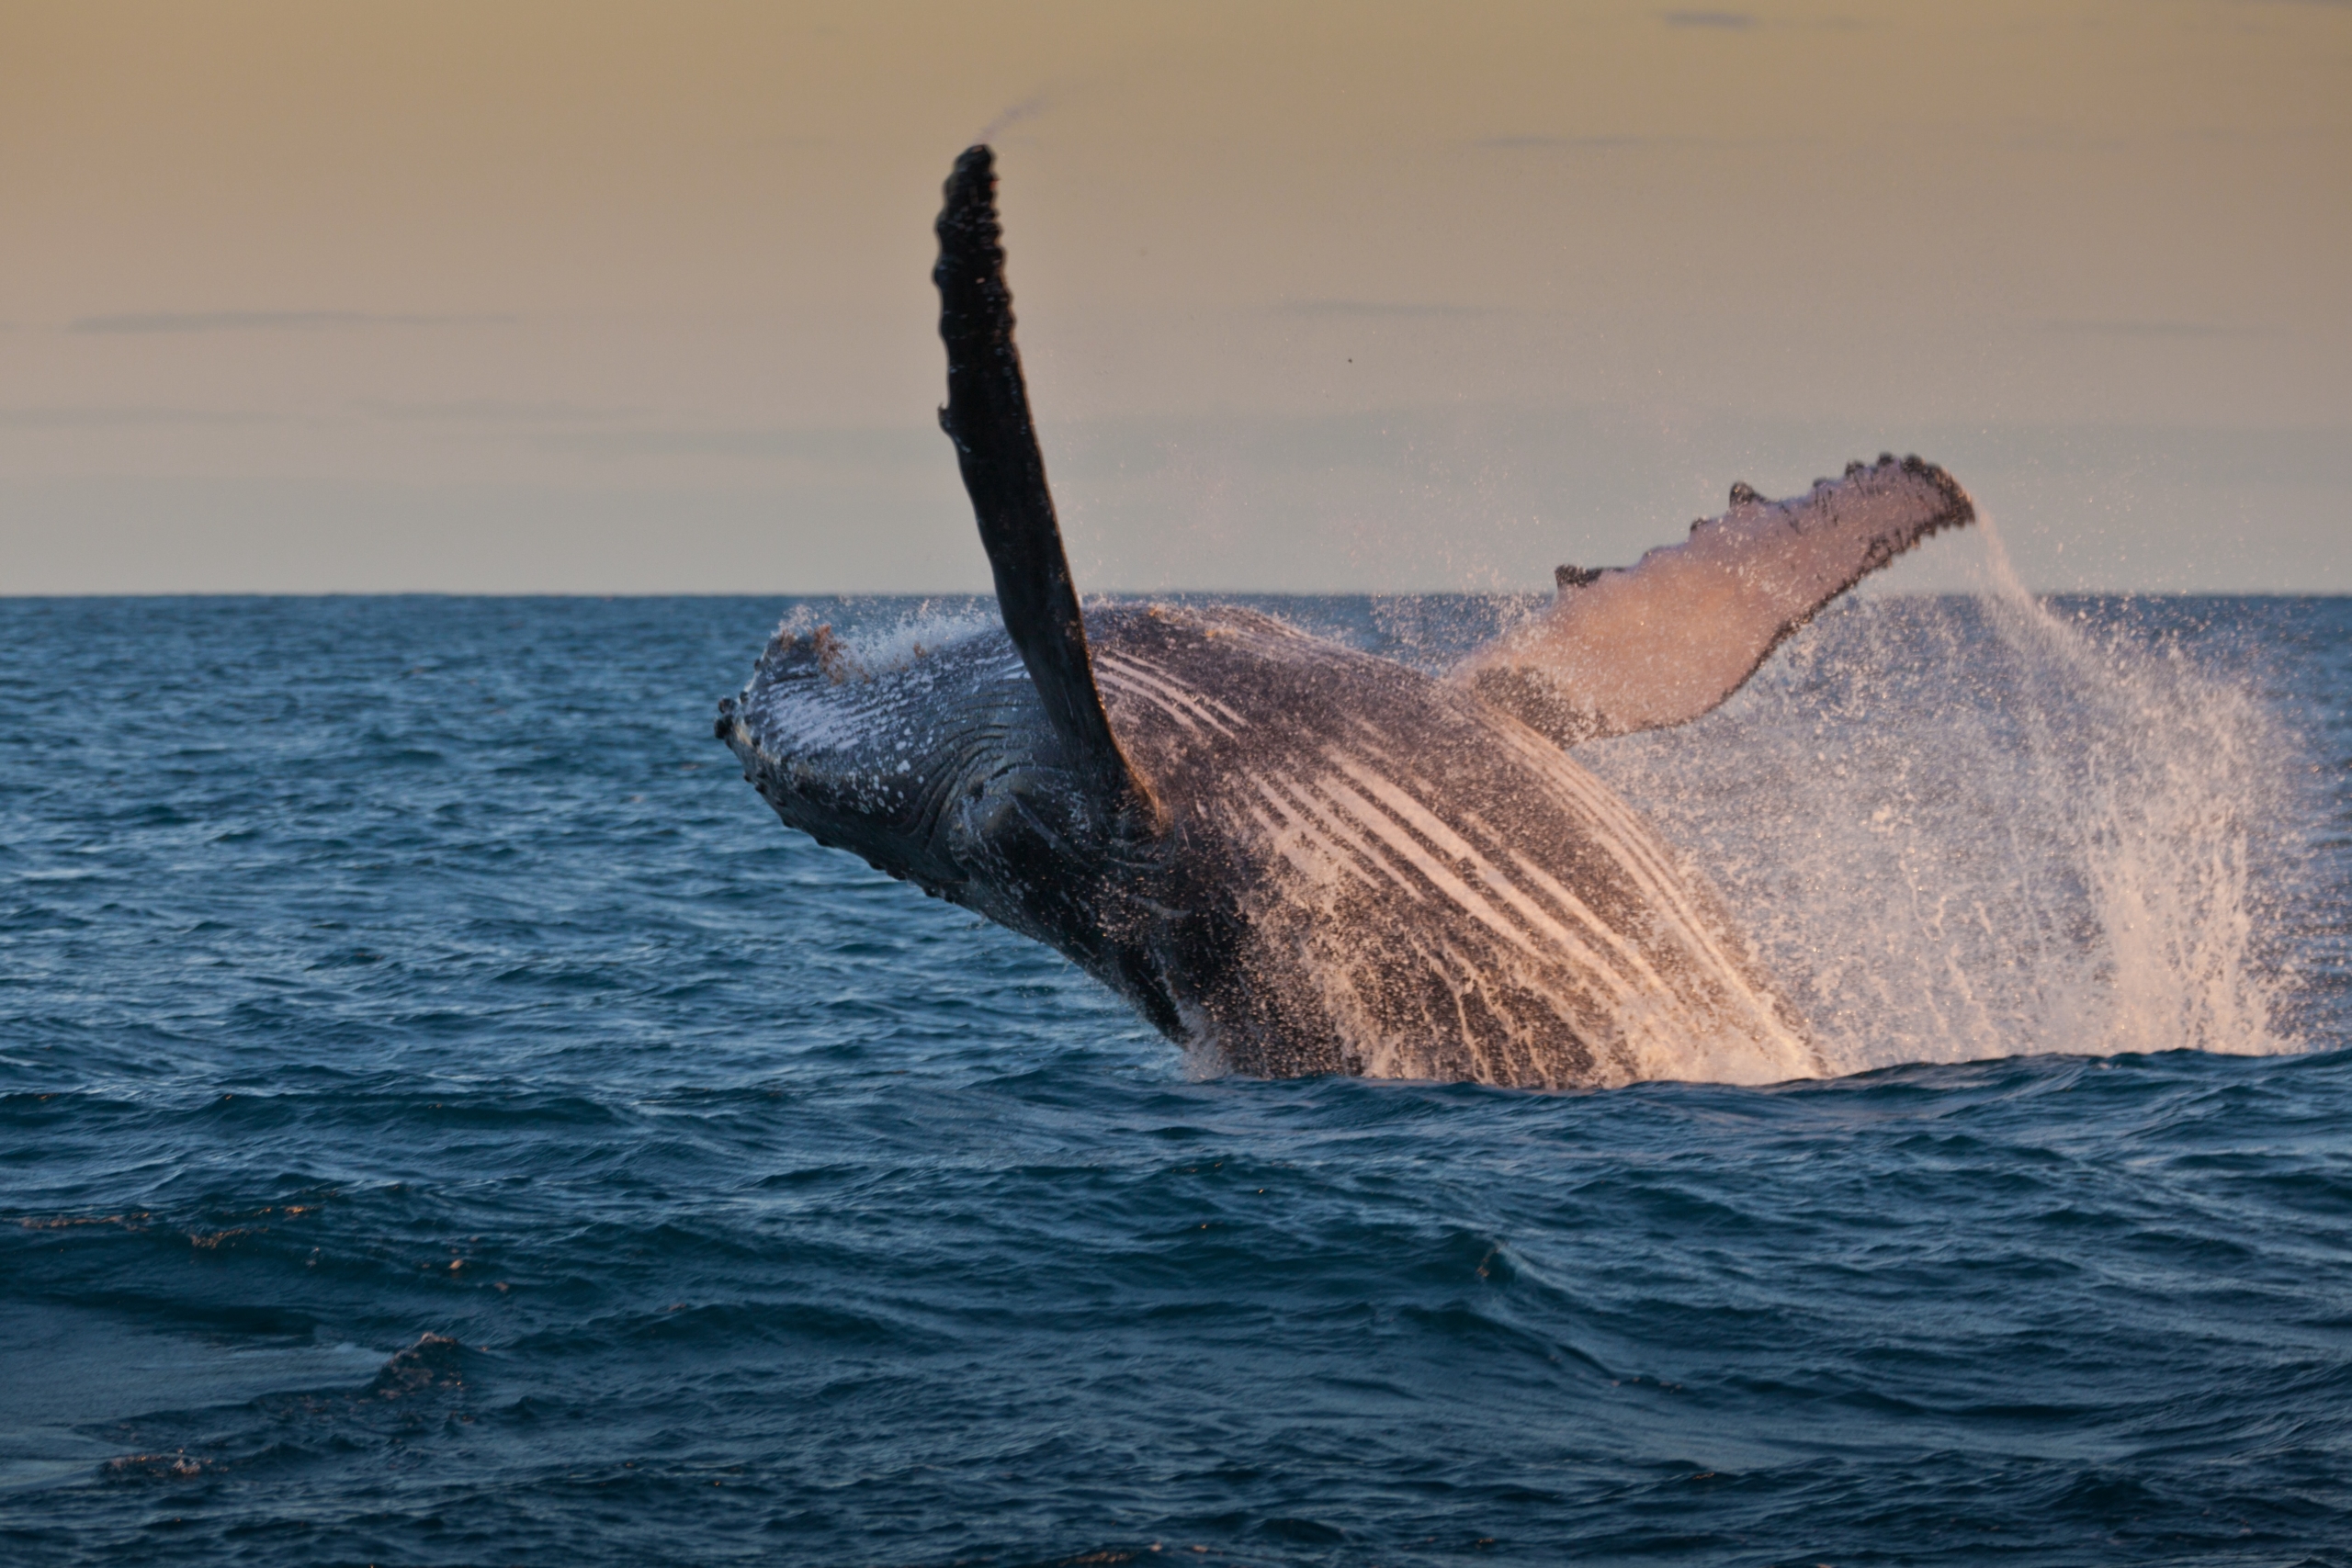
(1358, 867)
(1292, 856)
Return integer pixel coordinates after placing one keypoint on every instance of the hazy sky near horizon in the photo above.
(515, 295)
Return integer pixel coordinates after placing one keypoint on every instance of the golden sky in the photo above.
(604, 297)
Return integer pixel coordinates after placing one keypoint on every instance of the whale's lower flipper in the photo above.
(988, 418)
(1665, 640)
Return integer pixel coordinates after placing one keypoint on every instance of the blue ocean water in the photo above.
(443, 1117)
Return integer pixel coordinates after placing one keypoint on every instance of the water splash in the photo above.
(1976, 827)
(879, 636)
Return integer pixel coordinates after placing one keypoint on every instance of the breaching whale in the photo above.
(1290, 854)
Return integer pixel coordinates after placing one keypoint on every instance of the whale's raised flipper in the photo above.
(1665, 640)
(987, 416)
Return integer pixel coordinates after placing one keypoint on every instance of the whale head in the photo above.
(936, 763)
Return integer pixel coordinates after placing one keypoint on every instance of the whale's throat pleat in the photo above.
(1418, 890)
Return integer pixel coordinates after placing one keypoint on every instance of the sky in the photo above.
(510, 296)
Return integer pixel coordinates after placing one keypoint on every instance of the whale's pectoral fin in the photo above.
(1663, 641)
(988, 418)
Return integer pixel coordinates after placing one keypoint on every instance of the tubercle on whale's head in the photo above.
(936, 765)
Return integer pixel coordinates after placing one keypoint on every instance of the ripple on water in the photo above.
(443, 1118)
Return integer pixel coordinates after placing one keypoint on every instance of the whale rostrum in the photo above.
(1292, 856)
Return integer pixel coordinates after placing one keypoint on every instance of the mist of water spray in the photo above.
(1976, 827)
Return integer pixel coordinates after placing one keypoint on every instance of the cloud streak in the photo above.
(2150, 329)
(1580, 143)
(1375, 308)
(883, 446)
(93, 418)
(135, 322)
(490, 411)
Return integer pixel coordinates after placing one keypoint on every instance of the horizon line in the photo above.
(714, 593)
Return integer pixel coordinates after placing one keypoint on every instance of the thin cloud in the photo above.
(1726, 21)
(96, 418)
(785, 142)
(1579, 143)
(1379, 308)
(266, 321)
(2151, 329)
(488, 410)
(857, 447)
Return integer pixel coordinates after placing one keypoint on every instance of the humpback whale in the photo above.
(1290, 855)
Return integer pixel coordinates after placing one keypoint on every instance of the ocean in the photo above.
(446, 1119)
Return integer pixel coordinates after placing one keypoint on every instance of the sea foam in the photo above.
(1986, 826)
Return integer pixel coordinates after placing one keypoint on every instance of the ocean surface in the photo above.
(444, 1118)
